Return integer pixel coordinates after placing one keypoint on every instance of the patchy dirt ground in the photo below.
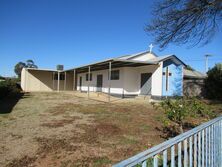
(66, 129)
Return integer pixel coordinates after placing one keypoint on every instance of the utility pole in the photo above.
(206, 62)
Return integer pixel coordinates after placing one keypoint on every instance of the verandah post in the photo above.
(74, 79)
(58, 81)
(53, 74)
(65, 82)
(88, 80)
(110, 68)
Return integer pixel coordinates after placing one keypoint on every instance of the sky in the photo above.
(78, 32)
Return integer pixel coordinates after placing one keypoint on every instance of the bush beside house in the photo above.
(213, 82)
(9, 87)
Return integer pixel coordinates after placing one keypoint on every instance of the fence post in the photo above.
(191, 151)
(220, 141)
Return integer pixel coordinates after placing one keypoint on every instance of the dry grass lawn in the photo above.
(66, 129)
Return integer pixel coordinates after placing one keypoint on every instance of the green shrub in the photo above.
(8, 88)
(178, 109)
(197, 107)
(175, 111)
(213, 82)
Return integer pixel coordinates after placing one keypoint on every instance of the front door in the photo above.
(99, 83)
(80, 83)
(146, 81)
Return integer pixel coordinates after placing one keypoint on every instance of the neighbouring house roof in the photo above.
(193, 74)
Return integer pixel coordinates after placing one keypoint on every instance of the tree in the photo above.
(18, 68)
(20, 65)
(188, 67)
(213, 82)
(31, 64)
(183, 21)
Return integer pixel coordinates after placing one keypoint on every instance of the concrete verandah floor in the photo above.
(103, 97)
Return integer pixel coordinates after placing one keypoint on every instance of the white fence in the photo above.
(199, 147)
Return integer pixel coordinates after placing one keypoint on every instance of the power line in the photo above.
(203, 60)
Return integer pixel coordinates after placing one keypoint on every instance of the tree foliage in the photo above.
(213, 82)
(31, 64)
(182, 21)
(18, 68)
(20, 65)
(188, 67)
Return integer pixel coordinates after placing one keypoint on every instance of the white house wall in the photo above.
(128, 83)
(131, 80)
(116, 85)
(156, 71)
(23, 81)
(157, 81)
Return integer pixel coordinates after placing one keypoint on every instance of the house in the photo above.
(193, 83)
(143, 73)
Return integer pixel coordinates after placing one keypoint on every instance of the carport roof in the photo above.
(36, 69)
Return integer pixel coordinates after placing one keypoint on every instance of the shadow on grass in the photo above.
(172, 130)
(7, 104)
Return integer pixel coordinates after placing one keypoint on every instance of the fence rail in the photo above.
(199, 147)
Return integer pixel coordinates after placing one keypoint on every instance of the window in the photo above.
(115, 75)
(61, 77)
(164, 73)
(87, 76)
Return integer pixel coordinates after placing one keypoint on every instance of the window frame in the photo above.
(115, 75)
(87, 77)
(61, 77)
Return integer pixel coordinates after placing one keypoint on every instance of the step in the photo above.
(145, 97)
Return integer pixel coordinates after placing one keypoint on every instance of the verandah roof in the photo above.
(115, 63)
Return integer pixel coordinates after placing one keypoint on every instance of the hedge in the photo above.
(8, 88)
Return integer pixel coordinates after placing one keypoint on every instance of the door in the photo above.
(99, 83)
(146, 81)
(80, 83)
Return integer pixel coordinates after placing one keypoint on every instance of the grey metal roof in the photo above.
(37, 69)
(116, 63)
(128, 57)
(123, 61)
(166, 57)
(118, 59)
(193, 74)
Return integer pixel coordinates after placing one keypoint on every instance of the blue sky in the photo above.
(77, 32)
